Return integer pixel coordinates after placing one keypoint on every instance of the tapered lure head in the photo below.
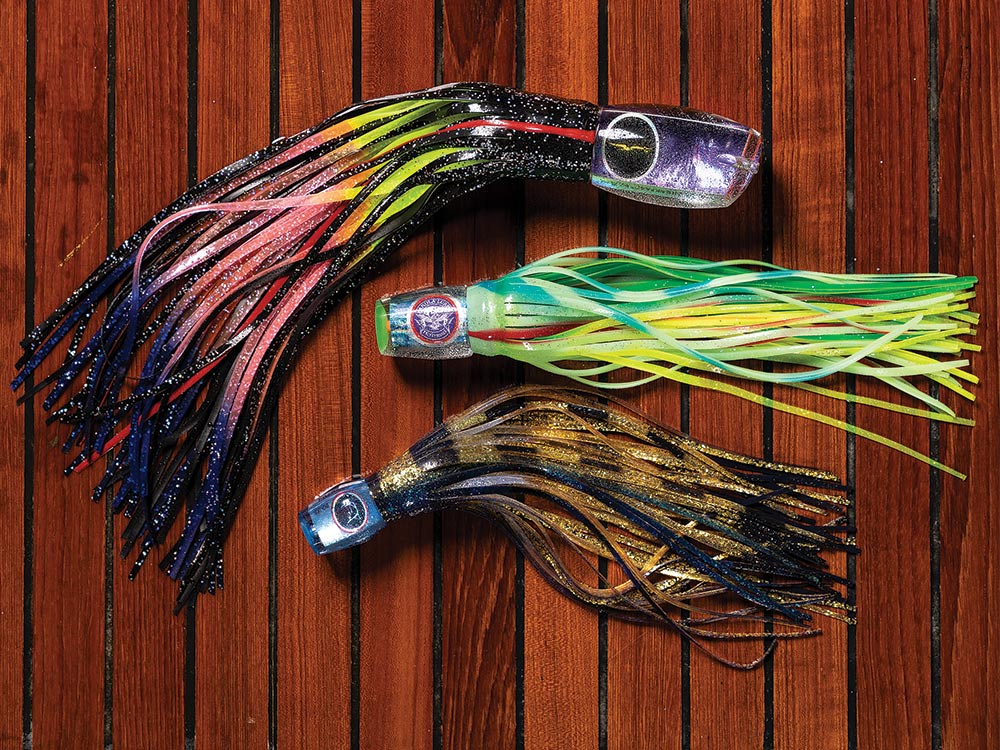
(672, 156)
(341, 517)
(425, 324)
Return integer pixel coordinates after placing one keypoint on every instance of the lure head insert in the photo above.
(671, 156)
(342, 516)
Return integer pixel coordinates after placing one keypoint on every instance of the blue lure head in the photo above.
(671, 156)
(341, 517)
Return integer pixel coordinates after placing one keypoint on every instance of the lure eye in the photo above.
(673, 157)
(341, 517)
(630, 147)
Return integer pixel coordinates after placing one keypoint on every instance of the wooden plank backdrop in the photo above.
(882, 125)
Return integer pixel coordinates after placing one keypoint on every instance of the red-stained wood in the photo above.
(479, 235)
(314, 594)
(479, 238)
(70, 219)
(969, 121)
(397, 407)
(12, 313)
(231, 677)
(150, 171)
(810, 676)
(644, 668)
(727, 708)
(891, 235)
(560, 637)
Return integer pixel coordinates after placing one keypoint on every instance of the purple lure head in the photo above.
(673, 156)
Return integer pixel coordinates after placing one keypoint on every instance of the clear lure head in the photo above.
(425, 324)
(343, 516)
(671, 156)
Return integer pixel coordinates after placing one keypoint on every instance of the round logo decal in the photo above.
(434, 319)
(349, 512)
(631, 147)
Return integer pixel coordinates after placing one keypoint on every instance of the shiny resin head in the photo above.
(672, 156)
(341, 517)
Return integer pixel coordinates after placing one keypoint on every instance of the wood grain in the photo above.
(894, 230)
(231, 642)
(70, 215)
(730, 85)
(969, 122)
(810, 676)
(893, 591)
(479, 239)
(13, 447)
(314, 594)
(560, 638)
(397, 407)
(150, 171)
(644, 669)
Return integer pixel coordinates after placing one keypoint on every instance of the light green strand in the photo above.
(700, 323)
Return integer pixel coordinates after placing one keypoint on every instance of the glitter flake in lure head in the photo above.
(673, 156)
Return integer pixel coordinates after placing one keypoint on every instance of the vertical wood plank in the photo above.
(13, 455)
(810, 676)
(397, 407)
(644, 58)
(150, 171)
(479, 238)
(893, 593)
(70, 215)
(314, 595)
(231, 642)
(727, 706)
(560, 638)
(969, 124)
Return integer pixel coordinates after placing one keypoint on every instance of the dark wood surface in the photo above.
(883, 125)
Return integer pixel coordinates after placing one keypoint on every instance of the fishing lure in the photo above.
(703, 324)
(208, 303)
(570, 477)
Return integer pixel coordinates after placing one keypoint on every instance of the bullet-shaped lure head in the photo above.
(671, 156)
(343, 516)
(425, 324)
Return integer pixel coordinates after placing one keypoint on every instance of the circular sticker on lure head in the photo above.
(631, 146)
(434, 319)
(350, 512)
